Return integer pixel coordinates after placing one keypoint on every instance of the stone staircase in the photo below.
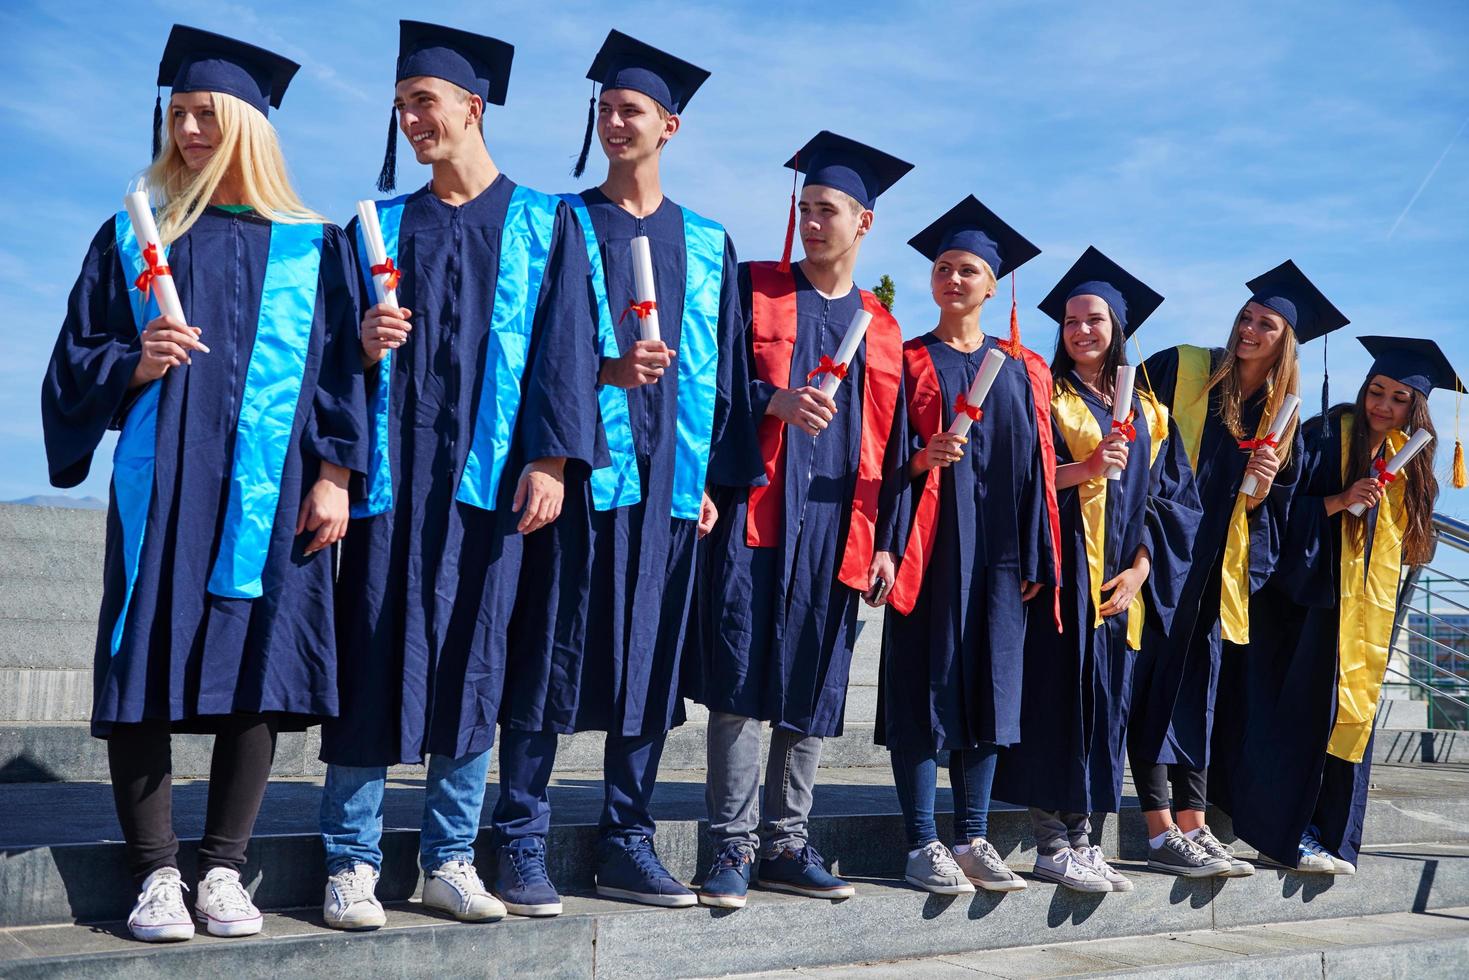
(63, 889)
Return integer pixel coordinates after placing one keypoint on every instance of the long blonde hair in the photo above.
(248, 146)
(1284, 379)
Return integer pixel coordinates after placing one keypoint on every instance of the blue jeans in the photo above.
(971, 774)
(352, 812)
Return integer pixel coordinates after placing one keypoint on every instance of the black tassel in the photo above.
(586, 142)
(158, 124)
(1325, 391)
(387, 178)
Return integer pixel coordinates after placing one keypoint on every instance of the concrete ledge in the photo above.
(45, 695)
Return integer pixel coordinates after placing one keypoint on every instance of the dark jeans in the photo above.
(971, 774)
(629, 776)
(140, 757)
(1189, 786)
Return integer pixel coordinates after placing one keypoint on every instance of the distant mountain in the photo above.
(58, 500)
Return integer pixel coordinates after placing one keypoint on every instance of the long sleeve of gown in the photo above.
(85, 390)
(559, 415)
(892, 511)
(1172, 520)
(1037, 560)
(338, 430)
(1308, 559)
(761, 391)
(734, 455)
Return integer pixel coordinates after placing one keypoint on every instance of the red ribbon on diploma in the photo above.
(387, 268)
(1253, 444)
(1384, 475)
(643, 310)
(827, 366)
(154, 268)
(1126, 427)
(962, 407)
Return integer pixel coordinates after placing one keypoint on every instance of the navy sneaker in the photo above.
(729, 879)
(628, 868)
(801, 872)
(521, 882)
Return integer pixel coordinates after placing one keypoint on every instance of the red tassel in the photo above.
(1012, 346)
(785, 256)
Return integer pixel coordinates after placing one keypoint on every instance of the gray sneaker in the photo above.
(933, 869)
(1093, 858)
(982, 865)
(1067, 868)
(1216, 848)
(1180, 856)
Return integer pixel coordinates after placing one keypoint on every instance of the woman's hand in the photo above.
(326, 509)
(166, 344)
(384, 328)
(1124, 586)
(943, 448)
(1029, 590)
(708, 515)
(1263, 465)
(1366, 491)
(1111, 451)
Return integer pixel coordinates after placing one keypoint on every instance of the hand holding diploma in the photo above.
(1255, 471)
(970, 408)
(646, 306)
(1388, 472)
(167, 339)
(1122, 412)
(834, 369)
(386, 326)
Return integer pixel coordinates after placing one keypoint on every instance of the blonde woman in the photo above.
(229, 481)
(1223, 403)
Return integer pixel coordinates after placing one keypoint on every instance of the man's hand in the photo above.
(807, 408)
(708, 516)
(166, 344)
(884, 566)
(1029, 590)
(539, 493)
(643, 364)
(384, 328)
(942, 449)
(326, 509)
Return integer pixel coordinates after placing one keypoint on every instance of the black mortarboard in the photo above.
(974, 228)
(1132, 300)
(1419, 364)
(1286, 290)
(202, 61)
(856, 169)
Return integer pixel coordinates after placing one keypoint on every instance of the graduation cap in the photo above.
(1132, 301)
(974, 228)
(202, 61)
(474, 62)
(860, 171)
(1286, 290)
(626, 63)
(1422, 366)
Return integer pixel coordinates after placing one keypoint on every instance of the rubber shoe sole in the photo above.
(642, 898)
(1203, 871)
(1008, 885)
(714, 901)
(357, 923)
(937, 889)
(230, 930)
(170, 932)
(1091, 886)
(1239, 869)
(844, 891)
(544, 910)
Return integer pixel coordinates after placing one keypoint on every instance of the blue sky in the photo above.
(1199, 145)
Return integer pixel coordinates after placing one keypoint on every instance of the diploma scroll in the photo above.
(979, 389)
(1121, 406)
(836, 369)
(646, 307)
(385, 281)
(157, 276)
(1288, 408)
(1411, 448)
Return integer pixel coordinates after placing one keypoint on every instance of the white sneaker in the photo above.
(1343, 866)
(1067, 868)
(455, 887)
(350, 902)
(225, 906)
(983, 866)
(1093, 858)
(933, 869)
(160, 915)
(1313, 858)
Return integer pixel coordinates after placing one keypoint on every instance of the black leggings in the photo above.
(140, 757)
(1151, 779)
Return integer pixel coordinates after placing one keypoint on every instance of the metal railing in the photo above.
(1430, 644)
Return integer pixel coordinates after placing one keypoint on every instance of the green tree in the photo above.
(886, 291)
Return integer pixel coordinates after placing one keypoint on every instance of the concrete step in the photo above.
(45, 695)
(885, 921)
(61, 860)
(1398, 714)
(1423, 945)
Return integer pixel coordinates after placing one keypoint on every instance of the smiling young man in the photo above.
(600, 625)
(478, 390)
(788, 560)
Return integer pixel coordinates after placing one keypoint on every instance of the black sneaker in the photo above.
(1180, 856)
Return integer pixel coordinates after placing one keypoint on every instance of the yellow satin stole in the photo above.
(1369, 596)
(1083, 434)
(1190, 410)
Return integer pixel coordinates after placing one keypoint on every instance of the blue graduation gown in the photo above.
(1078, 689)
(426, 588)
(599, 629)
(777, 627)
(1271, 771)
(187, 656)
(1177, 674)
(951, 669)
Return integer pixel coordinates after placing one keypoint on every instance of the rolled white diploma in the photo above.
(642, 271)
(979, 389)
(377, 251)
(145, 230)
(1411, 448)
(856, 330)
(1121, 405)
(1277, 429)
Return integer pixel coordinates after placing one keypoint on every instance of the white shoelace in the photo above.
(988, 856)
(165, 894)
(1212, 844)
(462, 876)
(227, 896)
(942, 861)
(354, 885)
(1190, 849)
(1093, 858)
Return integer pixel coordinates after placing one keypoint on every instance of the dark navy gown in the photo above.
(1177, 673)
(600, 626)
(188, 657)
(426, 588)
(951, 669)
(777, 626)
(1078, 684)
